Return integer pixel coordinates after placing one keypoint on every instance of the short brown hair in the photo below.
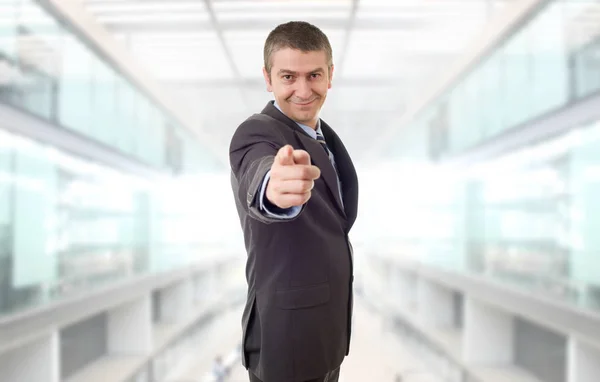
(298, 35)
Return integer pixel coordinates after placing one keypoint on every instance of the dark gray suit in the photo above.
(297, 320)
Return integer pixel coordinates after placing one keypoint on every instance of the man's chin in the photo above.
(304, 117)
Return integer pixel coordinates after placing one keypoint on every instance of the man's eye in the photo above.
(315, 75)
(287, 77)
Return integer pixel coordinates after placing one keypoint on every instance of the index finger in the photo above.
(299, 172)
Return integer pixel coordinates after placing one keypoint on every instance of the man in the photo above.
(296, 192)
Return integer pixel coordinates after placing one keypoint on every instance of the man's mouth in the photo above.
(304, 103)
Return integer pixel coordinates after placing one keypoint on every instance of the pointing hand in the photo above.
(292, 178)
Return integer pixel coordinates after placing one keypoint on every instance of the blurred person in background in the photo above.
(219, 370)
(296, 192)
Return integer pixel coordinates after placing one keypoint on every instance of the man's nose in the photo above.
(303, 90)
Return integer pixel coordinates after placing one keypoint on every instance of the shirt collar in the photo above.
(309, 130)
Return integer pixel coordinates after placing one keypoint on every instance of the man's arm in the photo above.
(252, 152)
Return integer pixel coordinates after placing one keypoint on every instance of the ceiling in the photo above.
(208, 53)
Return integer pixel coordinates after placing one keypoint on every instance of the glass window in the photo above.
(516, 81)
(75, 94)
(537, 217)
(472, 129)
(38, 57)
(6, 195)
(550, 85)
(491, 88)
(157, 136)
(144, 126)
(34, 215)
(9, 71)
(126, 110)
(49, 71)
(587, 69)
(458, 110)
(8, 28)
(6, 163)
(103, 102)
(584, 168)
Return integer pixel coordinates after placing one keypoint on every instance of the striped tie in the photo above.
(321, 140)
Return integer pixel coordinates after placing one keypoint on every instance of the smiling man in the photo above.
(296, 193)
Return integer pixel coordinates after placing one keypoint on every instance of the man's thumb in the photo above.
(285, 156)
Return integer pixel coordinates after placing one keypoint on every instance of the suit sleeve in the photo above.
(251, 155)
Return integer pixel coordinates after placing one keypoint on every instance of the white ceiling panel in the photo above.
(374, 54)
(317, 6)
(182, 55)
(375, 98)
(163, 18)
(134, 7)
(247, 51)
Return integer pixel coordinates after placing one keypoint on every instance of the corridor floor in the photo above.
(376, 355)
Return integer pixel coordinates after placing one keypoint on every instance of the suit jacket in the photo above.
(299, 271)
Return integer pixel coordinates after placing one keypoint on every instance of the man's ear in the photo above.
(267, 76)
(330, 76)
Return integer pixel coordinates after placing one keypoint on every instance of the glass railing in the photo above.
(444, 365)
(68, 225)
(49, 71)
(529, 219)
(549, 62)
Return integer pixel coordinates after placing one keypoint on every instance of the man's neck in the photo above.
(312, 124)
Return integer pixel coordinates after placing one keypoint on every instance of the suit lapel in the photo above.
(321, 160)
(316, 152)
(346, 170)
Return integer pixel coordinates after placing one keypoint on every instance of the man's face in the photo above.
(299, 81)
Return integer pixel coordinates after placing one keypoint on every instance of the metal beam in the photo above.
(219, 31)
(348, 33)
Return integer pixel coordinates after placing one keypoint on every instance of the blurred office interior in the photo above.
(474, 126)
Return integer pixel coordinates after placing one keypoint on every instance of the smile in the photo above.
(304, 103)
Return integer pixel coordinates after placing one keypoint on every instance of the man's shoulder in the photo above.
(258, 123)
(260, 120)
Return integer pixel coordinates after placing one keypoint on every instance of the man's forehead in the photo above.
(298, 57)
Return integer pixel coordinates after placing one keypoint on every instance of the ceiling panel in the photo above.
(133, 7)
(317, 6)
(383, 56)
(366, 98)
(185, 55)
(247, 51)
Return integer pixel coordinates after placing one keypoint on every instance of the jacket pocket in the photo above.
(303, 298)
